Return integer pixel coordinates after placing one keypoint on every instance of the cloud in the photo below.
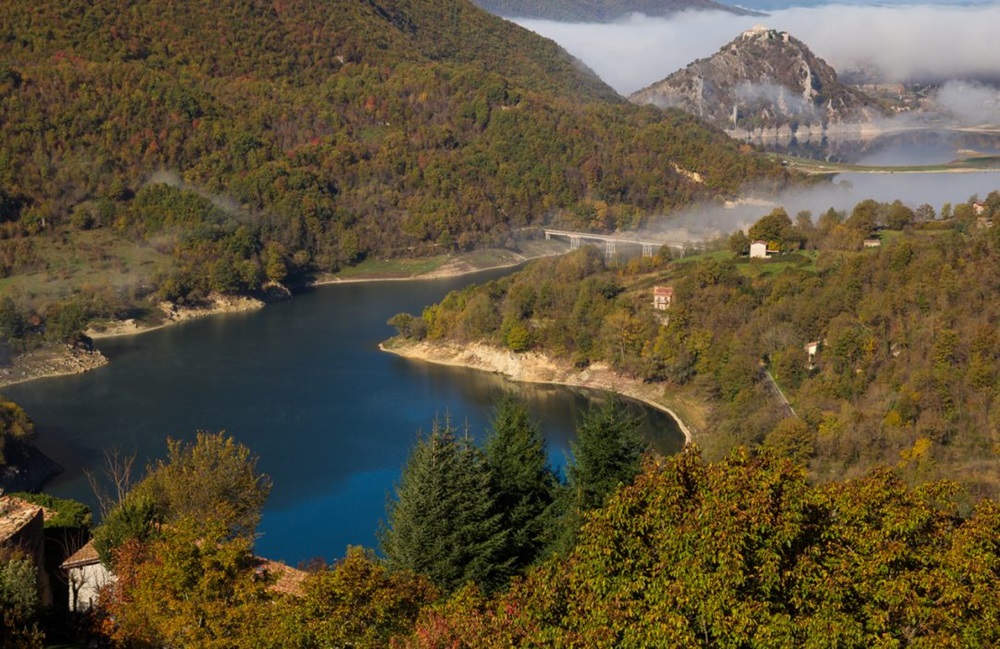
(769, 93)
(711, 221)
(969, 103)
(903, 43)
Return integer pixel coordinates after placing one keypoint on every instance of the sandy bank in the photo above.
(63, 360)
(535, 368)
(172, 314)
(60, 360)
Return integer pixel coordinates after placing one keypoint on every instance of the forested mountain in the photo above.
(764, 78)
(906, 358)
(302, 136)
(600, 10)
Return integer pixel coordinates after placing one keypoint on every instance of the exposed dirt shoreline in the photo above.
(174, 314)
(532, 367)
(63, 361)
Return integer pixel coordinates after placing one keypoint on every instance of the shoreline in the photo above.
(532, 367)
(50, 362)
(175, 314)
(449, 270)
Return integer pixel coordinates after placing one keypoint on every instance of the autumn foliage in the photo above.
(745, 552)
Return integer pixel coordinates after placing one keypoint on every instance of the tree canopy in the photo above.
(443, 521)
(217, 145)
(905, 349)
(746, 552)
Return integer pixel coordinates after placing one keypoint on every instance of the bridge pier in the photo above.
(609, 251)
(574, 243)
(647, 250)
(548, 235)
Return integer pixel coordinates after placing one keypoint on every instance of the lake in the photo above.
(303, 384)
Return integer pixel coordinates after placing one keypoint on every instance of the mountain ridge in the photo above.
(763, 79)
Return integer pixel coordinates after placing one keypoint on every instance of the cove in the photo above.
(303, 384)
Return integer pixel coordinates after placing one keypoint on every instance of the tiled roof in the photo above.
(289, 580)
(85, 556)
(14, 515)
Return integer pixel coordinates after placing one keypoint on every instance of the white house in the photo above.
(758, 250)
(86, 577)
(812, 349)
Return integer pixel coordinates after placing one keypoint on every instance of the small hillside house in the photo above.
(22, 528)
(759, 250)
(663, 297)
(86, 576)
(812, 349)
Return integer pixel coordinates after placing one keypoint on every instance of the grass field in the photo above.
(96, 261)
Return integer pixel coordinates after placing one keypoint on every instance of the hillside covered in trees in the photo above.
(172, 149)
(906, 362)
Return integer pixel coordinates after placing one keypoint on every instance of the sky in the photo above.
(902, 42)
(905, 42)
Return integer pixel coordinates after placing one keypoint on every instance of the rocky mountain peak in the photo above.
(764, 79)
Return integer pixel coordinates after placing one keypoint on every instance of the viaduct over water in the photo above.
(649, 246)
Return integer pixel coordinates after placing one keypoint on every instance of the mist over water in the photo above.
(954, 45)
(902, 42)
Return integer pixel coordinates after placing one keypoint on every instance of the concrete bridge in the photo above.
(649, 246)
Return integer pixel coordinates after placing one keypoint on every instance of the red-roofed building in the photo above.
(87, 575)
(663, 297)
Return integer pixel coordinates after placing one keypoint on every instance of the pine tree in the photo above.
(443, 521)
(522, 480)
(608, 452)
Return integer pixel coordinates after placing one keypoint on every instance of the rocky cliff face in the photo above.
(765, 81)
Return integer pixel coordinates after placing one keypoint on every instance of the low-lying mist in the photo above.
(954, 46)
(922, 43)
(710, 221)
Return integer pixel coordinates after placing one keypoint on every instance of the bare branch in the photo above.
(117, 472)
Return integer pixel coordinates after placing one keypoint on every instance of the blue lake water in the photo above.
(303, 384)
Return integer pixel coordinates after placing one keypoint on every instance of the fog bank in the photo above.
(903, 43)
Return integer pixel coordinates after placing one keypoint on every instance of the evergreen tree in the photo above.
(443, 521)
(607, 453)
(522, 480)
